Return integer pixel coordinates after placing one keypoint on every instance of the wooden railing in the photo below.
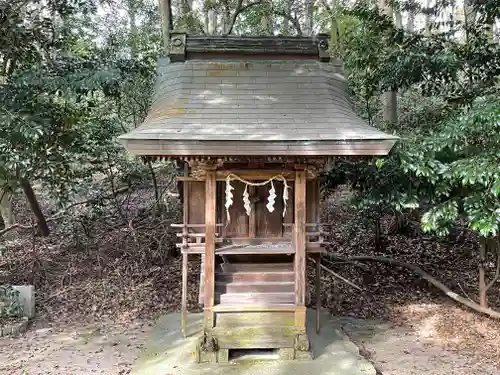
(193, 239)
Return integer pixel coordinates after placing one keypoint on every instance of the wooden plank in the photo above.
(229, 308)
(257, 337)
(238, 226)
(255, 250)
(300, 237)
(196, 211)
(249, 174)
(310, 248)
(260, 318)
(269, 224)
(318, 292)
(185, 214)
(254, 287)
(184, 294)
(257, 267)
(251, 44)
(283, 276)
(197, 226)
(252, 219)
(300, 318)
(209, 266)
(245, 299)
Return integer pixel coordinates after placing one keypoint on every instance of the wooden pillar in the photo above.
(185, 193)
(318, 293)
(209, 266)
(300, 244)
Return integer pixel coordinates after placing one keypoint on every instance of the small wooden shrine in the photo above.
(253, 121)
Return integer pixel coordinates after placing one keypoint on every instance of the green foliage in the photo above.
(64, 98)
(462, 162)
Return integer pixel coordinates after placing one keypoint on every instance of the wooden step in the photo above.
(254, 337)
(256, 267)
(255, 277)
(253, 318)
(254, 287)
(246, 299)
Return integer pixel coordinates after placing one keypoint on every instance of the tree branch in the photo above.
(240, 8)
(61, 213)
(237, 11)
(464, 301)
(338, 276)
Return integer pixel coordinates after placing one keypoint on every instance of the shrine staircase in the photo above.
(255, 306)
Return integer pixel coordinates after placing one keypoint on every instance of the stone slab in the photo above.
(27, 299)
(166, 352)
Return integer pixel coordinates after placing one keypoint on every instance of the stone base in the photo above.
(167, 352)
(207, 350)
(27, 299)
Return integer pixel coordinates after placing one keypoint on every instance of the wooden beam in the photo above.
(210, 222)
(185, 193)
(300, 238)
(245, 174)
(318, 292)
(184, 293)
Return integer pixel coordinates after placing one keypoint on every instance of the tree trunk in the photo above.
(378, 234)
(6, 208)
(42, 227)
(398, 19)
(428, 18)
(285, 28)
(267, 19)
(410, 26)
(132, 13)
(212, 22)
(309, 18)
(166, 23)
(483, 299)
(389, 99)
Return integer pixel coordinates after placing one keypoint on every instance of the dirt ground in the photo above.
(101, 279)
(110, 348)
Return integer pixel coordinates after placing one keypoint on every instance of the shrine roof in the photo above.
(252, 96)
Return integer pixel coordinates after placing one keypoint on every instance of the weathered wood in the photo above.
(310, 248)
(269, 224)
(270, 276)
(261, 318)
(257, 337)
(185, 256)
(221, 308)
(254, 287)
(196, 212)
(252, 220)
(300, 237)
(184, 294)
(283, 46)
(238, 225)
(209, 269)
(300, 318)
(318, 293)
(254, 299)
(257, 267)
(256, 175)
(197, 226)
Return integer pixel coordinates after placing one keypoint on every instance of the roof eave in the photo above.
(175, 148)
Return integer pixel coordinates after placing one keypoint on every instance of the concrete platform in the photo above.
(167, 353)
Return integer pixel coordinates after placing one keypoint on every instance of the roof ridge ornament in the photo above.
(323, 46)
(184, 46)
(177, 47)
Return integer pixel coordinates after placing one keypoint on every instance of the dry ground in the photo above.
(104, 275)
